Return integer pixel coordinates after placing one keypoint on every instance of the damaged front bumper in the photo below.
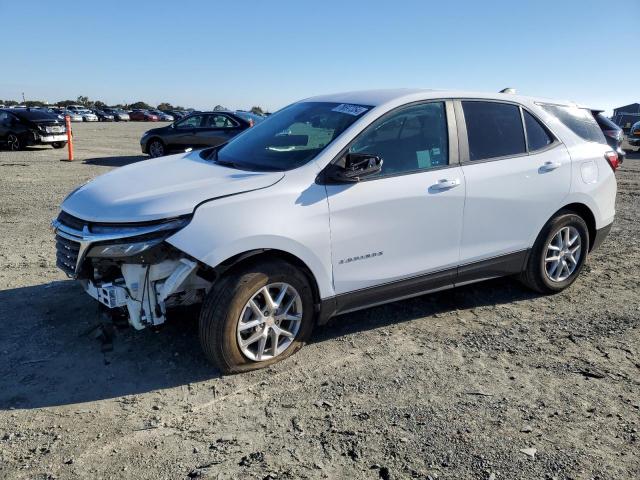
(129, 266)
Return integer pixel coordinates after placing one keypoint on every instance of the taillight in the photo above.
(612, 158)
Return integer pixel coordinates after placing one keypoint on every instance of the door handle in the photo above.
(444, 184)
(549, 166)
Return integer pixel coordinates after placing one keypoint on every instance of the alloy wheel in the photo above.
(156, 149)
(562, 255)
(269, 322)
(13, 142)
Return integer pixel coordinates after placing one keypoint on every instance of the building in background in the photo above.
(626, 116)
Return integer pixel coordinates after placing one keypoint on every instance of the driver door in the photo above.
(397, 233)
(185, 132)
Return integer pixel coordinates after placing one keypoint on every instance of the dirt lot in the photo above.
(451, 385)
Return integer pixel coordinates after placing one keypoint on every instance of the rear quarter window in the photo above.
(579, 120)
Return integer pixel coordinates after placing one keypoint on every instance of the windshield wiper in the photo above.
(225, 163)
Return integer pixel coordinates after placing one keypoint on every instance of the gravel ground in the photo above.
(486, 381)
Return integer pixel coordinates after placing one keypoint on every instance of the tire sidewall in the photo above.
(245, 285)
(561, 221)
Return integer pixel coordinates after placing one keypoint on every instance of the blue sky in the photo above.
(270, 53)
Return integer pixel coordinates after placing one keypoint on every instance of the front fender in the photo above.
(283, 217)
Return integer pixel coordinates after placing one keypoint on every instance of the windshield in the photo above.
(291, 137)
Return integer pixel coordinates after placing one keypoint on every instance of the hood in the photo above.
(160, 188)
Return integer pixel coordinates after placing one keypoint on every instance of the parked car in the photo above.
(634, 136)
(73, 116)
(22, 127)
(199, 130)
(612, 132)
(176, 114)
(340, 202)
(87, 115)
(119, 115)
(142, 116)
(103, 116)
(76, 108)
(250, 117)
(162, 117)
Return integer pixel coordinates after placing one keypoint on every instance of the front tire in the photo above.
(558, 255)
(59, 144)
(156, 148)
(256, 316)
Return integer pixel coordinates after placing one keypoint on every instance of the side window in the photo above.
(193, 121)
(219, 121)
(412, 139)
(494, 130)
(579, 120)
(537, 135)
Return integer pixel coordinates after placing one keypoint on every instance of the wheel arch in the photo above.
(586, 214)
(257, 255)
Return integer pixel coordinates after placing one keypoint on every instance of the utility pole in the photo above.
(23, 100)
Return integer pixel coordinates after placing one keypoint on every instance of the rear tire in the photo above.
(59, 144)
(14, 143)
(540, 274)
(223, 319)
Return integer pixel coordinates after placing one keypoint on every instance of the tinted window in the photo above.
(219, 121)
(494, 130)
(537, 135)
(604, 122)
(291, 137)
(412, 139)
(192, 122)
(579, 120)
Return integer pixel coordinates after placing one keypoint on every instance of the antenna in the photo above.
(510, 90)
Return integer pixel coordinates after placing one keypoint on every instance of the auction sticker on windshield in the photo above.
(354, 110)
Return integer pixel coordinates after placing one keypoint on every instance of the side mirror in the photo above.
(354, 167)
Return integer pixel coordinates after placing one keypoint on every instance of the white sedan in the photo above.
(87, 115)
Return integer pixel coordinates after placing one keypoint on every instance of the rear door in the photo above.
(217, 128)
(517, 175)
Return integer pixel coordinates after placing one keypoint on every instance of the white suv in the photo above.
(338, 203)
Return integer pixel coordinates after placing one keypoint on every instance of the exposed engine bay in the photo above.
(130, 268)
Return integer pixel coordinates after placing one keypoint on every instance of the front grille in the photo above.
(71, 221)
(67, 255)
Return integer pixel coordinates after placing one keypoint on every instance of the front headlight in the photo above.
(124, 249)
(135, 239)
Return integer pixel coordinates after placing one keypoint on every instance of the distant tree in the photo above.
(178, 107)
(34, 103)
(98, 104)
(257, 110)
(141, 105)
(165, 106)
(219, 107)
(66, 103)
(82, 100)
(9, 103)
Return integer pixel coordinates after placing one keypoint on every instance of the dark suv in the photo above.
(198, 130)
(22, 127)
(612, 132)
